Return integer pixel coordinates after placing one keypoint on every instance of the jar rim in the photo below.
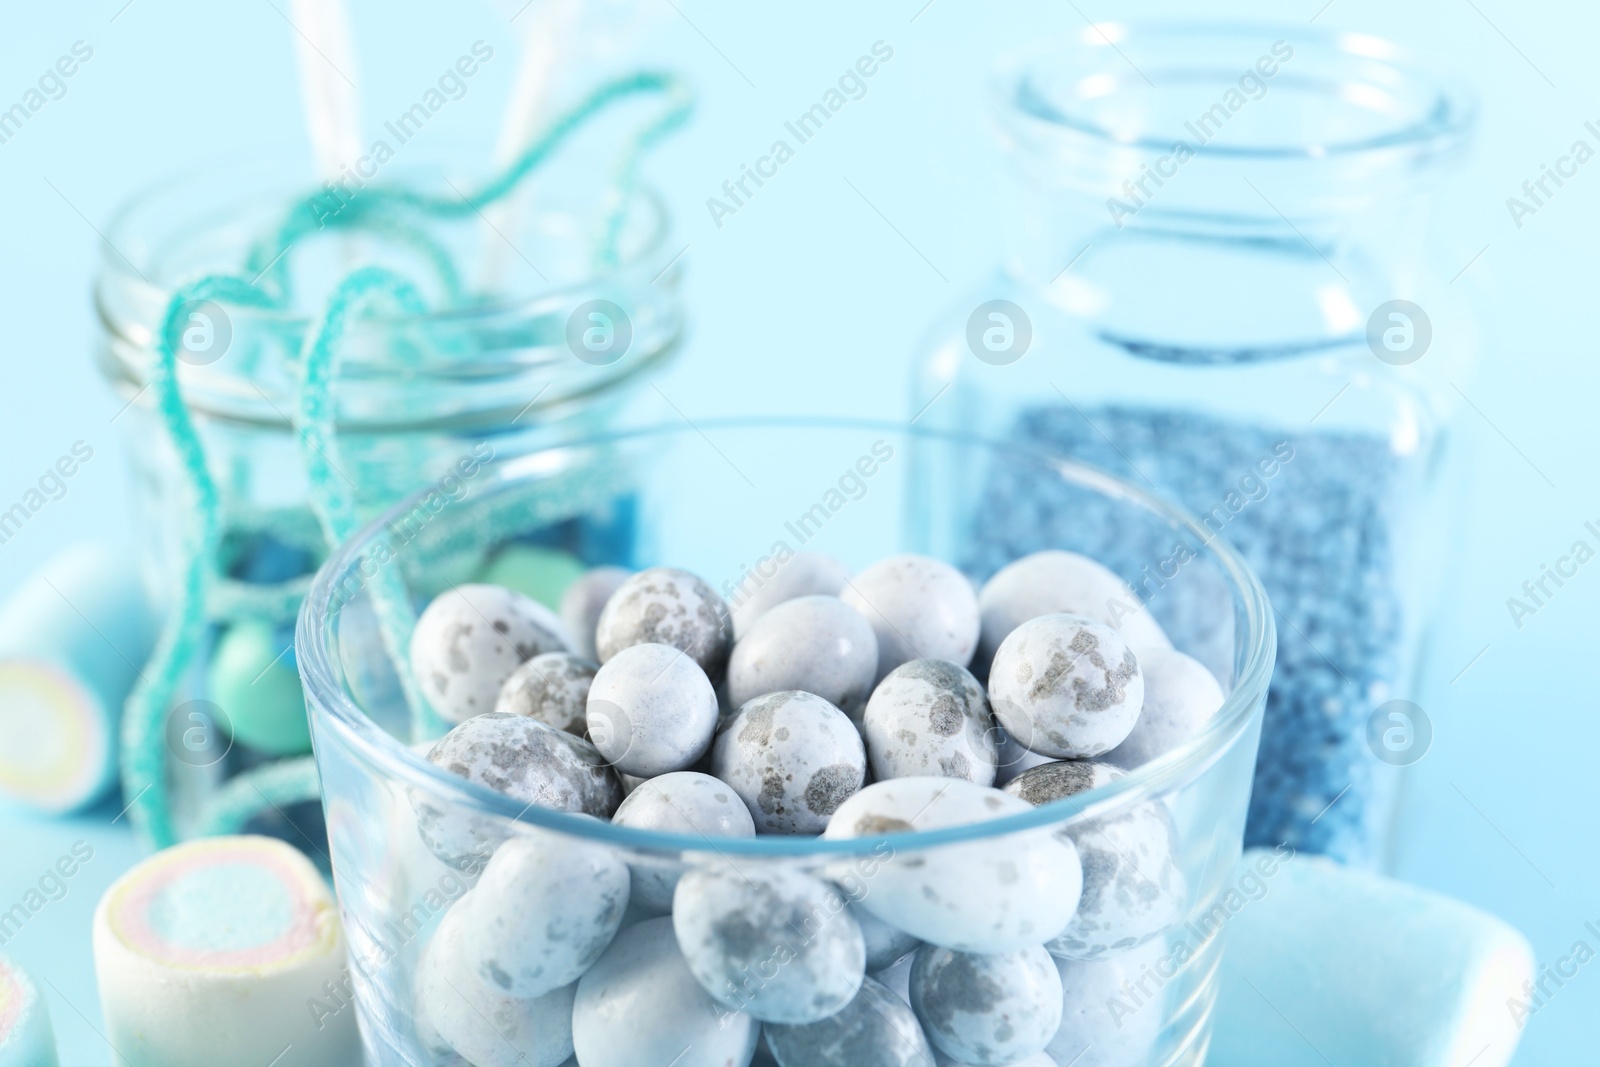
(1446, 118)
(332, 706)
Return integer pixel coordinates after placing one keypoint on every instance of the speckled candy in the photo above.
(583, 601)
(481, 1022)
(990, 895)
(1066, 686)
(1132, 887)
(793, 758)
(886, 943)
(651, 710)
(640, 1004)
(666, 606)
(920, 608)
(987, 1010)
(470, 639)
(683, 802)
(1054, 582)
(930, 717)
(818, 644)
(1101, 1024)
(1180, 697)
(775, 943)
(522, 758)
(545, 908)
(552, 688)
(802, 574)
(876, 1029)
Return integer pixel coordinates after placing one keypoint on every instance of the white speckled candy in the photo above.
(640, 1004)
(920, 608)
(929, 717)
(1180, 697)
(989, 895)
(818, 644)
(684, 802)
(793, 758)
(583, 601)
(544, 909)
(887, 944)
(1054, 583)
(522, 758)
(775, 943)
(481, 1022)
(469, 640)
(552, 688)
(1132, 887)
(666, 606)
(651, 710)
(802, 574)
(987, 1010)
(1066, 686)
(876, 1029)
(1101, 1025)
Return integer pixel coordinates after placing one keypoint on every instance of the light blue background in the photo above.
(809, 301)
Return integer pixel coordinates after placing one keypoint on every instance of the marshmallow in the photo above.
(1341, 966)
(26, 1039)
(219, 951)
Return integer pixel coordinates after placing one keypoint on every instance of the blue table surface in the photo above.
(859, 243)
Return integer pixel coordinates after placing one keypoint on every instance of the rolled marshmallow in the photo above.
(73, 638)
(26, 1039)
(223, 950)
(1333, 965)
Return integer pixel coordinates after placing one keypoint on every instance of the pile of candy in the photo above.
(841, 706)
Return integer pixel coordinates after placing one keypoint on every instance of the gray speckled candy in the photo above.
(1132, 886)
(481, 1022)
(876, 1029)
(930, 717)
(683, 802)
(651, 710)
(583, 601)
(887, 944)
(545, 908)
(522, 758)
(793, 758)
(666, 606)
(1066, 686)
(1101, 1025)
(1055, 583)
(640, 1004)
(776, 943)
(987, 1010)
(552, 688)
(995, 894)
(1180, 697)
(802, 574)
(818, 644)
(470, 638)
(920, 608)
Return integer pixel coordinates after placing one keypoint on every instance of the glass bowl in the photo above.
(728, 500)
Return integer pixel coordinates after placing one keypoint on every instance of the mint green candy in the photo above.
(255, 683)
(533, 570)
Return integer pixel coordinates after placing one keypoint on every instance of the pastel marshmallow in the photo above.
(26, 1039)
(213, 952)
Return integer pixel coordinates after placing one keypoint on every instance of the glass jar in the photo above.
(1216, 286)
(420, 401)
(731, 501)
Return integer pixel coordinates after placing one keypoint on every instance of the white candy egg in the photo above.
(1066, 686)
(793, 758)
(930, 717)
(1180, 697)
(651, 710)
(920, 608)
(987, 1010)
(470, 638)
(818, 644)
(683, 802)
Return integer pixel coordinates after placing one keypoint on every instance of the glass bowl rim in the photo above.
(331, 706)
(1449, 118)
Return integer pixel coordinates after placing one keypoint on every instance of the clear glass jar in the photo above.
(725, 499)
(1215, 287)
(422, 401)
